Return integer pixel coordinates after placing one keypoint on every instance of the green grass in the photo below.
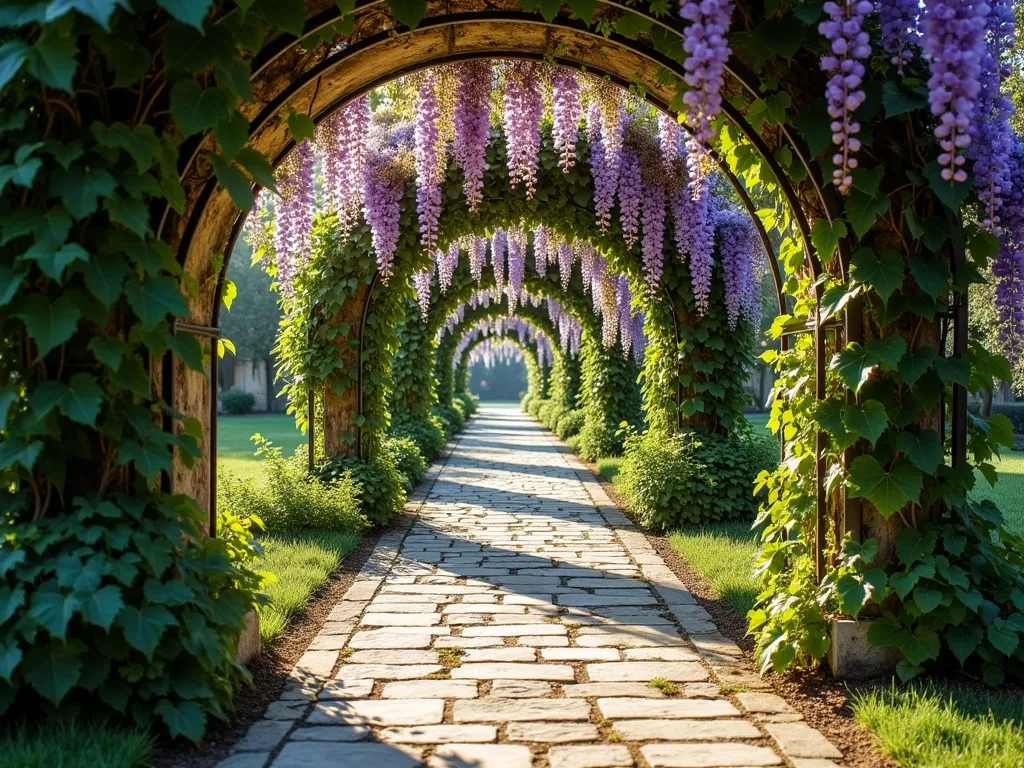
(609, 468)
(235, 448)
(301, 562)
(933, 727)
(73, 744)
(1008, 493)
(723, 554)
(759, 420)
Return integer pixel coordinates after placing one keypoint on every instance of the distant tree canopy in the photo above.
(252, 322)
(504, 381)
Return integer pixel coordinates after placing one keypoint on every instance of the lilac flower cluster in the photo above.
(385, 171)
(341, 141)
(567, 111)
(849, 46)
(447, 262)
(694, 232)
(954, 40)
(472, 121)
(1008, 266)
(292, 236)
(899, 19)
(604, 166)
(707, 51)
(428, 177)
(523, 109)
(565, 259)
(623, 300)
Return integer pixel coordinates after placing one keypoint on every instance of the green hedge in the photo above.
(1013, 411)
(469, 403)
(451, 419)
(570, 423)
(237, 402)
(689, 478)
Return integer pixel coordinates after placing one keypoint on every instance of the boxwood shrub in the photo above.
(687, 478)
(469, 402)
(451, 420)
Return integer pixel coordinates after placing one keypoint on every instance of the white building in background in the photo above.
(256, 378)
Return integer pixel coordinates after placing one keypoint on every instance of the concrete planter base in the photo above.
(851, 658)
(249, 640)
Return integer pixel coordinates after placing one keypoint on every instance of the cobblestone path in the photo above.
(522, 622)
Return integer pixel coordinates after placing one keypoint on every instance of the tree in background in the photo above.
(252, 321)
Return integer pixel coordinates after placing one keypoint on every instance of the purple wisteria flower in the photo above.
(849, 46)
(498, 262)
(428, 176)
(567, 110)
(472, 120)
(476, 246)
(954, 40)
(900, 34)
(523, 109)
(707, 51)
(294, 214)
(540, 250)
(630, 191)
(516, 265)
(421, 280)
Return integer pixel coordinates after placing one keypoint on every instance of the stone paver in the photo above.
(518, 619)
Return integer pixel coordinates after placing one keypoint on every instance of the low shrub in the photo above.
(407, 458)
(1013, 411)
(237, 402)
(470, 403)
(574, 444)
(761, 448)
(289, 499)
(687, 478)
(458, 406)
(598, 439)
(524, 402)
(554, 414)
(535, 406)
(427, 434)
(570, 424)
(382, 493)
(544, 411)
(451, 420)
(125, 607)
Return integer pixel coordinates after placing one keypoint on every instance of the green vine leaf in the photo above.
(927, 600)
(195, 109)
(301, 126)
(963, 640)
(884, 273)
(924, 449)
(920, 646)
(915, 364)
(912, 546)
(899, 100)
(13, 55)
(888, 490)
(952, 194)
(868, 420)
(408, 12)
(185, 718)
(930, 275)
(53, 60)
(54, 668)
(862, 210)
(50, 324)
(143, 629)
(191, 12)
(825, 237)
(81, 191)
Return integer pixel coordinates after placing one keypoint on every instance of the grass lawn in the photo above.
(235, 447)
(723, 553)
(72, 744)
(946, 727)
(1008, 493)
(301, 562)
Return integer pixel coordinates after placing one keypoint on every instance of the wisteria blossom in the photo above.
(476, 247)
(741, 252)
(523, 109)
(849, 46)
(953, 38)
(516, 266)
(707, 51)
(630, 192)
(421, 280)
(498, 240)
(567, 111)
(540, 249)
(472, 122)
(294, 213)
(428, 176)
(900, 34)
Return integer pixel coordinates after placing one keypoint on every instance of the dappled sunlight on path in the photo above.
(521, 621)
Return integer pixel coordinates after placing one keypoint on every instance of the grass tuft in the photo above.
(609, 467)
(71, 744)
(665, 686)
(450, 657)
(925, 726)
(724, 555)
(301, 562)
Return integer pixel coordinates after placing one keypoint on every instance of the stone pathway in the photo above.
(521, 622)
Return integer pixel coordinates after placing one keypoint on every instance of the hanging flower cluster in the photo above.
(516, 266)
(472, 123)
(523, 109)
(567, 111)
(341, 140)
(386, 168)
(849, 46)
(293, 236)
(742, 259)
(707, 51)
(428, 174)
(954, 40)
(898, 19)
(490, 353)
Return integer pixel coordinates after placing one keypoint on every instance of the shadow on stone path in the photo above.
(518, 623)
